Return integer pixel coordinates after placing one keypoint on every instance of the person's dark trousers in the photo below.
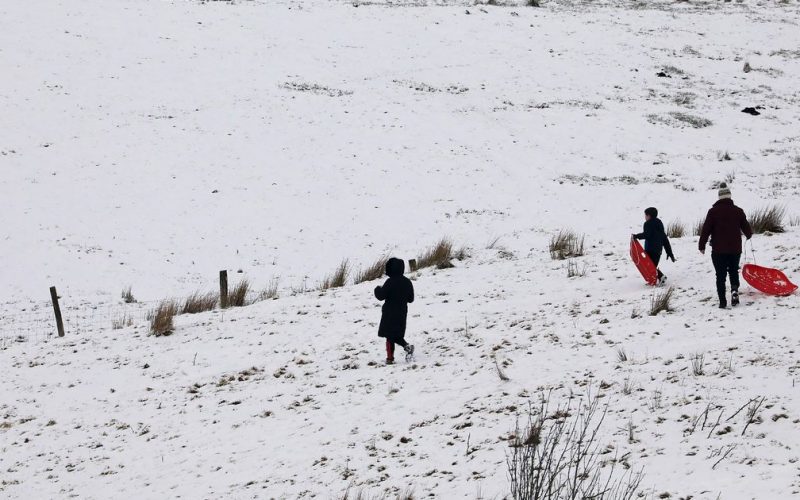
(656, 257)
(725, 265)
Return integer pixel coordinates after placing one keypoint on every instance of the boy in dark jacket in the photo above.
(397, 293)
(655, 240)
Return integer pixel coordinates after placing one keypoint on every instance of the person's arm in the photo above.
(381, 292)
(668, 248)
(411, 292)
(705, 233)
(745, 226)
(645, 234)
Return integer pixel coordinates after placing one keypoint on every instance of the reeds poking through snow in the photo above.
(661, 301)
(768, 220)
(566, 244)
(161, 318)
(439, 255)
(123, 321)
(270, 292)
(698, 365)
(676, 229)
(558, 454)
(238, 296)
(372, 272)
(698, 227)
(339, 277)
(199, 302)
(360, 494)
(127, 296)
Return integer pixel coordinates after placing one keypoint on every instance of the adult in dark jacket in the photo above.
(725, 224)
(397, 292)
(655, 240)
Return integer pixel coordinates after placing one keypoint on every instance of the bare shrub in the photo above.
(676, 229)
(440, 255)
(557, 456)
(199, 302)
(768, 220)
(566, 244)
(372, 272)
(698, 227)
(794, 220)
(698, 365)
(339, 277)
(123, 321)
(622, 356)
(574, 271)
(661, 301)
(161, 318)
(692, 120)
(127, 295)
(238, 296)
(533, 3)
(270, 292)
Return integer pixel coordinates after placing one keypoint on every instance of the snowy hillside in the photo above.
(151, 144)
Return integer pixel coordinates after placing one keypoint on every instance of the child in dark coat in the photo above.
(397, 293)
(655, 240)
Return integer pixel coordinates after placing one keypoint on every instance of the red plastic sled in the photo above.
(643, 263)
(769, 281)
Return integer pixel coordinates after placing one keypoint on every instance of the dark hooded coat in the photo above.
(655, 238)
(724, 225)
(397, 292)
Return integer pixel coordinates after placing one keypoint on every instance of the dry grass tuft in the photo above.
(127, 296)
(661, 301)
(123, 321)
(238, 296)
(698, 227)
(566, 244)
(270, 292)
(768, 220)
(676, 229)
(161, 318)
(439, 255)
(199, 302)
(339, 277)
(372, 272)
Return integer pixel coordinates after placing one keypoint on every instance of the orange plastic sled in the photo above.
(769, 281)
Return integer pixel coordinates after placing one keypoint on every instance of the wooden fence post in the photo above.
(223, 289)
(57, 310)
(412, 265)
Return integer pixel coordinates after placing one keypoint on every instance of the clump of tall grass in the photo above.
(372, 272)
(161, 318)
(439, 255)
(339, 277)
(199, 302)
(676, 229)
(661, 301)
(566, 244)
(237, 297)
(768, 220)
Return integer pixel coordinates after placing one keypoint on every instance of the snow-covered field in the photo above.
(150, 144)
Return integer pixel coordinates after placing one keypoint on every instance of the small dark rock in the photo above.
(751, 111)
(662, 74)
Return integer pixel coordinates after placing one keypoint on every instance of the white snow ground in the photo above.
(332, 131)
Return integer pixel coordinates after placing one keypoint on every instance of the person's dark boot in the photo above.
(723, 304)
(735, 298)
(409, 352)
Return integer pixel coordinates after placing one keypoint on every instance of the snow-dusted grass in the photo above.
(155, 143)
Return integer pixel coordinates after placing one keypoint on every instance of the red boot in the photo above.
(389, 352)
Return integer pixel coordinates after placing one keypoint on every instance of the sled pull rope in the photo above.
(752, 251)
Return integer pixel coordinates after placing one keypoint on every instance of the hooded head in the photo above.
(651, 212)
(724, 191)
(395, 267)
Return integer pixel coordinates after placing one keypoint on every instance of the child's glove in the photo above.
(672, 258)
